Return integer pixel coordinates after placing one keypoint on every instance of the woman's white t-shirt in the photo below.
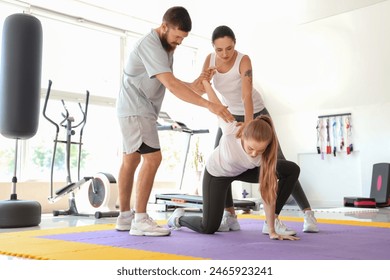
(229, 158)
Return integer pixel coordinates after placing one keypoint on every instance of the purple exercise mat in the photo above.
(333, 242)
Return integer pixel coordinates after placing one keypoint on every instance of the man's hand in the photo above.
(221, 111)
(197, 86)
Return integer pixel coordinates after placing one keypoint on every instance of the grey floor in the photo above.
(48, 221)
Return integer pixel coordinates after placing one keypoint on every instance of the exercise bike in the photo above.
(88, 196)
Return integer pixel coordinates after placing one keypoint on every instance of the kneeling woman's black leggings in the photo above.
(216, 188)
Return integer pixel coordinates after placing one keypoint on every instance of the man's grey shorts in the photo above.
(137, 130)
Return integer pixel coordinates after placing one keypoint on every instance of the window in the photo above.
(100, 142)
(77, 58)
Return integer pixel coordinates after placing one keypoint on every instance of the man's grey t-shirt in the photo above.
(141, 94)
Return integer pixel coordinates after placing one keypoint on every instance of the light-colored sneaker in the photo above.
(309, 222)
(124, 223)
(280, 228)
(229, 222)
(148, 227)
(173, 221)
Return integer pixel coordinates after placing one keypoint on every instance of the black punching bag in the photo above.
(20, 84)
(20, 76)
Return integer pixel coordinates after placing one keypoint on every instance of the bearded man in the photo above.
(146, 76)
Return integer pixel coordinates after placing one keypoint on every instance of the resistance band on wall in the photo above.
(334, 134)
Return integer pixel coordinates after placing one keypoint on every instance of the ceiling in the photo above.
(207, 14)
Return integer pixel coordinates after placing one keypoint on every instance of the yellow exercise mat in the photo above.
(30, 245)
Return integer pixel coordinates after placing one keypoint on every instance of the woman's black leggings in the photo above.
(215, 191)
(298, 194)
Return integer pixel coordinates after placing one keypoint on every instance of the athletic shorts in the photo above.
(137, 131)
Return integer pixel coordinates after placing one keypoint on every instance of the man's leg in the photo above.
(143, 224)
(126, 179)
(125, 186)
(145, 179)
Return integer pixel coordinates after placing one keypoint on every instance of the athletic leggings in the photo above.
(298, 194)
(216, 189)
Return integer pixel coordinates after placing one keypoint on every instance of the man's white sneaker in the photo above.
(148, 227)
(309, 222)
(280, 228)
(173, 221)
(229, 222)
(124, 223)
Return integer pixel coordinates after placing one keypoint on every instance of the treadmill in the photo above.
(196, 201)
(174, 200)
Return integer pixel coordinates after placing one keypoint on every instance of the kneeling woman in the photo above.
(252, 158)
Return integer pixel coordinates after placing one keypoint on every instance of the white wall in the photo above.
(339, 64)
(310, 58)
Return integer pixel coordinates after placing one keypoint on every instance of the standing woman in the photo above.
(233, 80)
(252, 158)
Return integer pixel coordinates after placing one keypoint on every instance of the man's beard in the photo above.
(165, 44)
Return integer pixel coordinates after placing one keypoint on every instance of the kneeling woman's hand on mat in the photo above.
(275, 236)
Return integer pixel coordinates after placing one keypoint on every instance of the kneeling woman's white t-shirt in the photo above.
(229, 158)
